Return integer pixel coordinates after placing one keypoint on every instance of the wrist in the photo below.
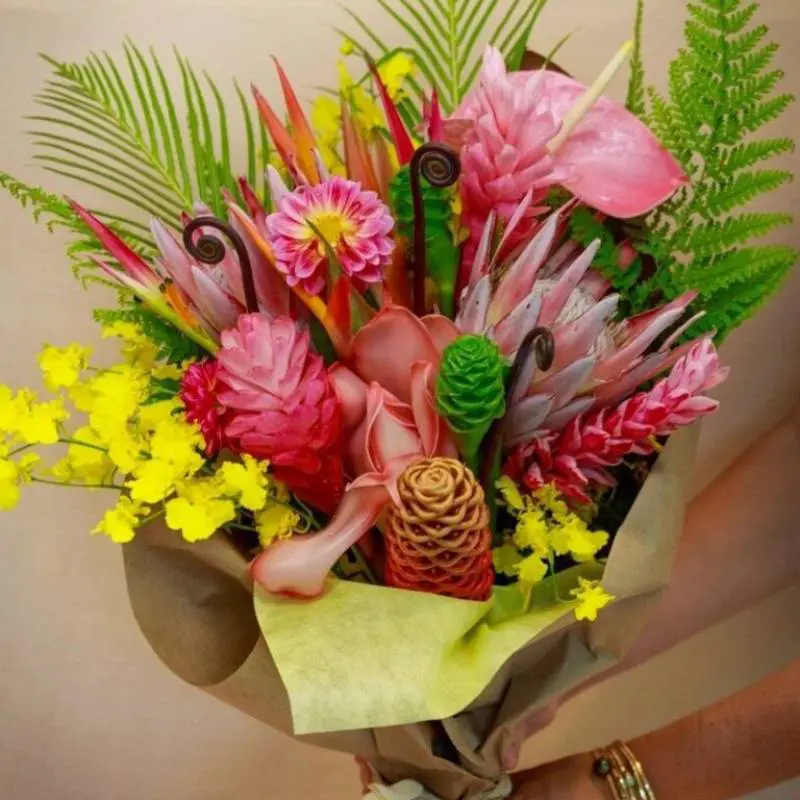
(571, 778)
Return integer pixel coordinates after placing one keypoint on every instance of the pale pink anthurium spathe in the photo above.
(386, 396)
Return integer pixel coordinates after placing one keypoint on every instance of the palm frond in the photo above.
(444, 37)
(116, 125)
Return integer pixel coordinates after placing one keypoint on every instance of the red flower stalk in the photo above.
(582, 452)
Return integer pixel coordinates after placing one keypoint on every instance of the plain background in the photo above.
(86, 712)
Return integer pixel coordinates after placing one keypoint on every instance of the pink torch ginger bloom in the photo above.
(355, 223)
(282, 406)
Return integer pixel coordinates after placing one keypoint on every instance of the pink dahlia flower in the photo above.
(199, 395)
(282, 406)
(355, 223)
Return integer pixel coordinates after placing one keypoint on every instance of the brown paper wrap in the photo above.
(194, 605)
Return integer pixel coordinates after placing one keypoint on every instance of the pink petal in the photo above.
(386, 347)
(298, 567)
(518, 281)
(391, 432)
(351, 392)
(473, 314)
(616, 163)
(443, 331)
(136, 267)
(216, 304)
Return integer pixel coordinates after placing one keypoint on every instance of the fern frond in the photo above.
(746, 186)
(444, 37)
(721, 90)
(718, 236)
(55, 213)
(636, 91)
(749, 154)
(745, 264)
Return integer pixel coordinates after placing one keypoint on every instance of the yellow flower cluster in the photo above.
(546, 528)
(150, 443)
(326, 111)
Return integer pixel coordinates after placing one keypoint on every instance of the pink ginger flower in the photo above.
(355, 223)
(282, 406)
(599, 360)
(200, 396)
(580, 455)
(611, 161)
(390, 421)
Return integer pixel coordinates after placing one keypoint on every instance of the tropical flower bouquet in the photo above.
(422, 384)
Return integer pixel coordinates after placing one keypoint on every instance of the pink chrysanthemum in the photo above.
(355, 223)
(199, 395)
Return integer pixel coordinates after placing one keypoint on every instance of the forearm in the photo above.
(744, 744)
(739, 545)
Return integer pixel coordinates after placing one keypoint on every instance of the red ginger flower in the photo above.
(580, 454)
(199, 388)
(282, 406)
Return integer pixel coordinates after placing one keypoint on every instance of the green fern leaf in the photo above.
(55, 213)
(749, 154)
(746, 186)
(748, 264)
(721, 90)
(636, 91)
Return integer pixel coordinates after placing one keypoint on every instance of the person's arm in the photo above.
(739, 746)
(739, 546)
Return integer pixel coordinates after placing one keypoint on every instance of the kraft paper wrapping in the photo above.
(194, 605)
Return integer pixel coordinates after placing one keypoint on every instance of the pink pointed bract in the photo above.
(282, 406)
(600, 359)
(355, 223)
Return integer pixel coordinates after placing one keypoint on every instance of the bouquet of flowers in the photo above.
(405, 413)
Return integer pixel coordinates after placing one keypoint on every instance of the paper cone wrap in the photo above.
(194, 604)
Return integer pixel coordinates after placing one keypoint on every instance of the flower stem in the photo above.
(79, 485)
(20, 450)
(82, 444)
(551, 560)
(156, 515)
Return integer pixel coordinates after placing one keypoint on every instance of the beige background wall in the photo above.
(86, 713)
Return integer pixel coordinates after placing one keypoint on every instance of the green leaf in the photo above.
(721, 90)
(55, 212)
(636, 91)
(445, 35)
(515, 55)
(114, 125)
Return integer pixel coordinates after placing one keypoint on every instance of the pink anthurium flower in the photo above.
(510, 128)
(388, 429)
